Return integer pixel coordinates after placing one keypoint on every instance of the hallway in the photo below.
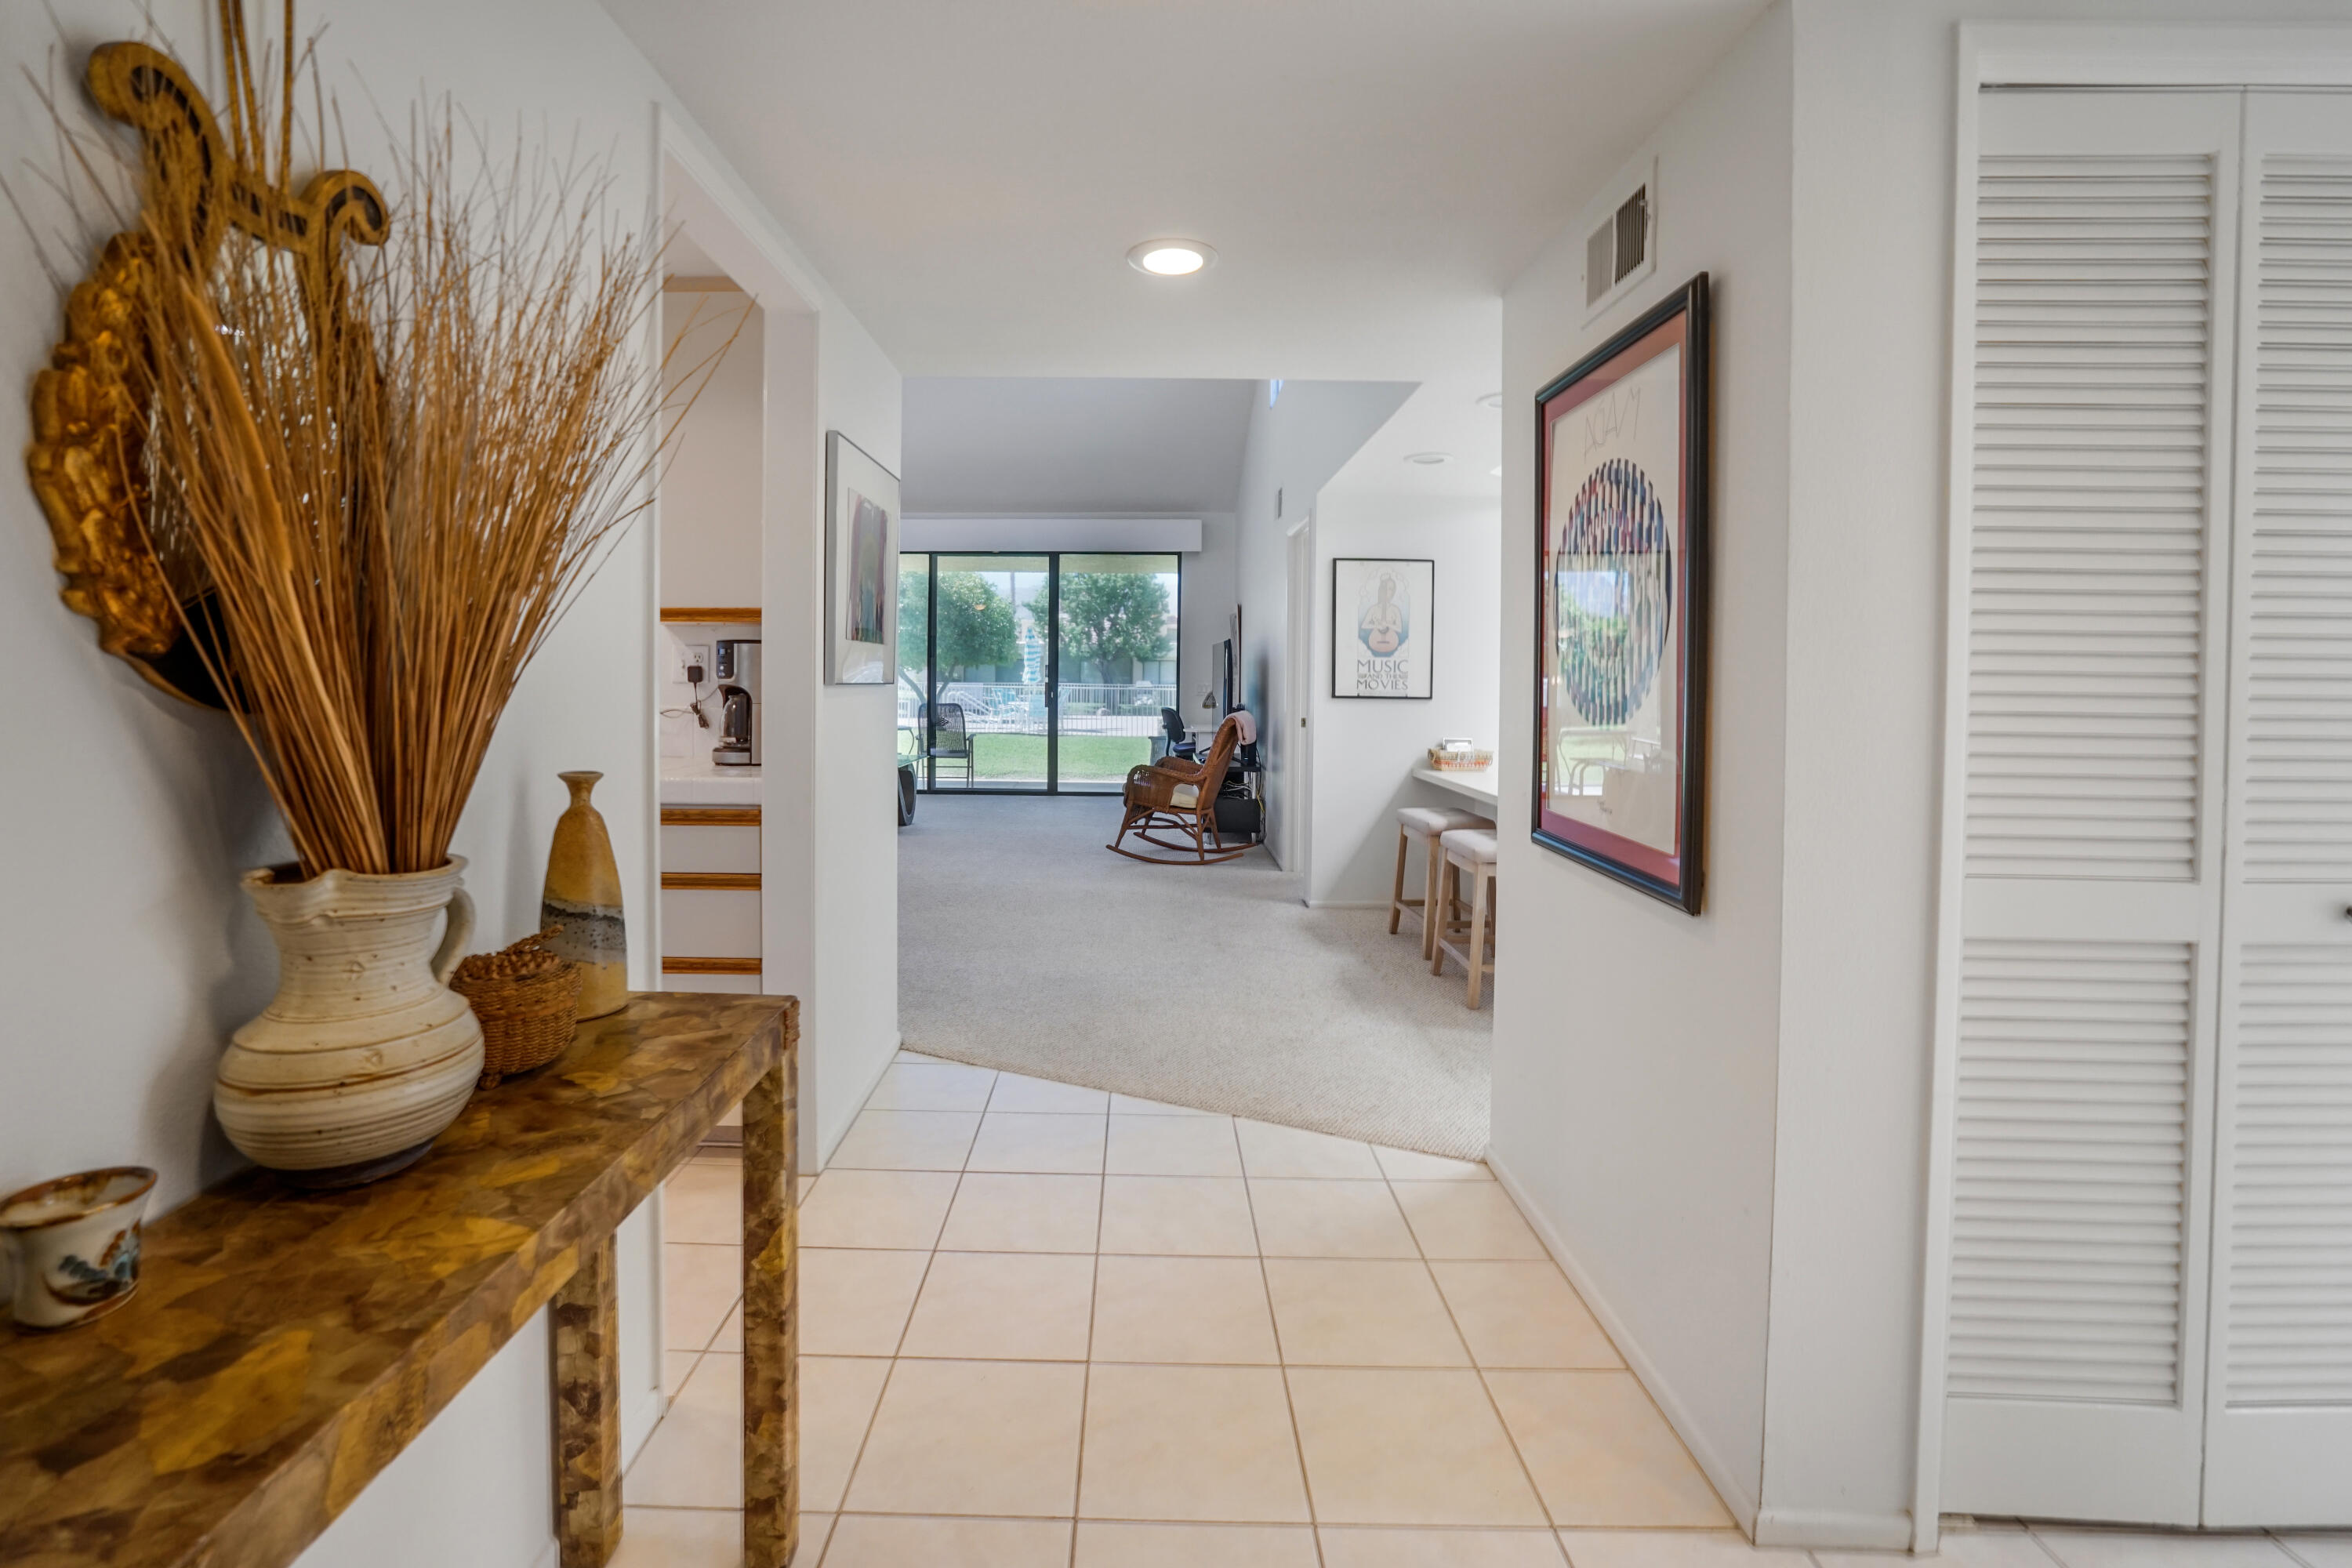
(1025, 946)
(1050, 1327)
(1200, 1339)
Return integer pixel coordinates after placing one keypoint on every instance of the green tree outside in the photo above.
(1112, 620)
(914, 613)
(976, 625)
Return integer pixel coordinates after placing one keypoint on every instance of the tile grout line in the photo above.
(1094, 1297)
(1527, 1471)
(2293, 1555)
(1280, 1524)
(2047, 1550)
(873, 1416)
(1281, 1358)
(1390, 1183)
(1647, 1396)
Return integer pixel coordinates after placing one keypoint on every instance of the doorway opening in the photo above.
(1047, 673)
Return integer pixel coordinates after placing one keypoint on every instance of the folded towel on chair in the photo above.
(1249, 726)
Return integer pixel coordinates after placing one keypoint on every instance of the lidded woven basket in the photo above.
(528, 1002)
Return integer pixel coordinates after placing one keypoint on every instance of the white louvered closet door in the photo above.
(2096, 560)
(2279, 1399)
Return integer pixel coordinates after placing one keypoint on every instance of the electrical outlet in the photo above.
(693, 653)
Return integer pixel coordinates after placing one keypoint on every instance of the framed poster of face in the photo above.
(861, 567)
(1622, 603)
(1380, 627)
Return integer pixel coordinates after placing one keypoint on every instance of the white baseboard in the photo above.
(1735, 1495)
(1830, 1530)
(825, 1154)
(632, 1414)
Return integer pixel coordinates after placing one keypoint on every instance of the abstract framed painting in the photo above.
(1381, 642)
(1622, 570)
(861, 567)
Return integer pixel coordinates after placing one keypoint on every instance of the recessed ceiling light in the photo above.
(1429, 459)
(1171, 257)
(1491, 400)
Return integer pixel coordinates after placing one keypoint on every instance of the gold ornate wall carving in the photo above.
(91, 406)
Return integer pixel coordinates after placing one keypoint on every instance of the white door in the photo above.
(2103, 298)
(1292, 742)
(2279, 1443)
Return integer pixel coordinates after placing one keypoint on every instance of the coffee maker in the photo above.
(739, 696)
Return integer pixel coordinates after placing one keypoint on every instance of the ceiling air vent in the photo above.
(1621, 249)
(1618, 248)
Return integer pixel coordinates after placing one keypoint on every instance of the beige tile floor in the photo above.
(1042, 1325)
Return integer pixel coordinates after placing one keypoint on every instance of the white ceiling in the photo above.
(1374, 172)
(1073, 445)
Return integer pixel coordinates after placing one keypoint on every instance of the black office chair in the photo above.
(1174, 742)
(950, 741)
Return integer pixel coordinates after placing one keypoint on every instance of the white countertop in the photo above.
(1475, 783)
(698, 781)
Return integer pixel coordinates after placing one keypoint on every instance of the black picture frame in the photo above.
(1684, 318)
(1424, 631)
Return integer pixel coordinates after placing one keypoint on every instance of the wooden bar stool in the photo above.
(1470, 849)
(1424, 823)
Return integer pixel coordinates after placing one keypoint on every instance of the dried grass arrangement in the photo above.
(396, 469)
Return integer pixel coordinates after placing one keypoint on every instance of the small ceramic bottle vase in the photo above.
(582, 902)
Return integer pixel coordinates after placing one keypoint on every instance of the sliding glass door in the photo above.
(1036, 673)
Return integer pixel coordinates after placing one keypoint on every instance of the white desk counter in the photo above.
(1477, 785)
(697, 781)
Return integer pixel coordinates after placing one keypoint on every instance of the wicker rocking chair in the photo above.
(1173, 795)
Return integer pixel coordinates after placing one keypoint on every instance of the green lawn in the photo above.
(1021, 759)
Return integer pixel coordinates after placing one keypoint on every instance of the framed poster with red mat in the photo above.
(1622, 603)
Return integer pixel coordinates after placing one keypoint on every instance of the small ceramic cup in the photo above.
(76, 1242)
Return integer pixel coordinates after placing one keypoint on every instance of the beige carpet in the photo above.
(1025, 944)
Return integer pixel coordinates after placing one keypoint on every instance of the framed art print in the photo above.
(861, 567)
(1621, 610)
(1380, 627)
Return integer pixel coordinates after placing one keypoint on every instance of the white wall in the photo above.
(441, 1503)
(828, 924)
(125, 949)
(1635, 1057)
(853, 769)
(828, 841)
(710, 477)
(1365, 749)
(1294, 448)
(1209, 583)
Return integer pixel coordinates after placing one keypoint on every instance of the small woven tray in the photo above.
(528, 1001)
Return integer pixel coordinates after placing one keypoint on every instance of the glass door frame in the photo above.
(927, 776)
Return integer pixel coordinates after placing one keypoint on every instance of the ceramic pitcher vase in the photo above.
(582, 902)
(366, 1053)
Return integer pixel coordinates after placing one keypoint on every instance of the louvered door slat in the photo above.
(2083, 810)
(2069, 1170)
(2296, 727)
(2280, 1408)
(2288, 1266)
(2093, 331)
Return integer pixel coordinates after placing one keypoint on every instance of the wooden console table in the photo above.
(283, 1346)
